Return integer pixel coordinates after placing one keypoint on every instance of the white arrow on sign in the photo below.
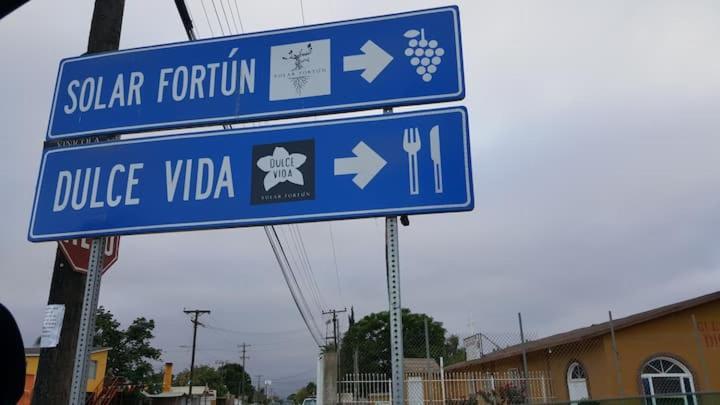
(372, 61)
(365, 165)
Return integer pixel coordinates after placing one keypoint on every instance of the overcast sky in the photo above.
(595, 131)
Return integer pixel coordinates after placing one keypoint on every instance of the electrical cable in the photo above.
(222, 6)
(310, 280)
(277, 250)
(302, 12)
(191, 17)
(232, 15)
(307, 262)
(337, 271)
(242, 30)
(212, 33)
(218, 17)
(280, 332)
(292, 273)
(293, 256)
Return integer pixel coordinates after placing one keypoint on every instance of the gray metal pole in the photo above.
(392, 258)
(427, 341)
(87, 322)
(616, 357)
(701, 355)
(524, 350)
(427, 360)
(396, 336)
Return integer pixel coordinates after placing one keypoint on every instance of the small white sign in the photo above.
(52, 324)
(300, 70)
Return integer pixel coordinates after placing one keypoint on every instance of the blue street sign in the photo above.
(411, 163)
(401, 59)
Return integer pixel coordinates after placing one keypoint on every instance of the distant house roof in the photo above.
(197, 390)
(35, 351)
(420, 365)
(182, 391)
(591, 331)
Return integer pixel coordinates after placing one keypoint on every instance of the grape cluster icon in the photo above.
(424, 55)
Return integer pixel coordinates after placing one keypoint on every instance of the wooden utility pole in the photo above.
(243, 357)
(334, 313)
(196, 313)
(55, 368)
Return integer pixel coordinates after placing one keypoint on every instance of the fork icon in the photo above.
(411, 145)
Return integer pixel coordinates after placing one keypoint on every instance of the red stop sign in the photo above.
(77, 252)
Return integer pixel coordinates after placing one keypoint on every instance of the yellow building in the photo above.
(673, 349)
(96, 373)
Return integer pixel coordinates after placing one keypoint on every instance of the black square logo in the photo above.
(283, 172)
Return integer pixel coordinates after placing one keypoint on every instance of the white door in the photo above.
(415, 394)
(577, 382)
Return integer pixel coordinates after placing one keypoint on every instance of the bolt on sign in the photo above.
(77, 252)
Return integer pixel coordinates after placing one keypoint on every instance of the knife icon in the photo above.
(436, 157)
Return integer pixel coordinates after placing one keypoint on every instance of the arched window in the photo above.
(667, 377)
(577, 382)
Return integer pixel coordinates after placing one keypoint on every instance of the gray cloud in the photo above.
(594, 134)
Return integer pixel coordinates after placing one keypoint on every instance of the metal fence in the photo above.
(673, 357)
(447, 388)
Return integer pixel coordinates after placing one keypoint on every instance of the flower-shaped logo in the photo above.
(282, 166)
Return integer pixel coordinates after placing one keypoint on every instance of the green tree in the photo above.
(233, 375)
(454, 353)
(307, 391)
(370, 336)
(130, 349)
(203, 375)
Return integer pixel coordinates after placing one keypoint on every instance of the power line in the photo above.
(222, 6)
(307, 262)
(243, 332)
(288, 377)
(222, 31)
(292, 273)
(337, 271)
(302, 12)
(212, 33)
(293, 257)
(242, 30)
(232, 15)
(304, 265)
(297, 297)
(190, 14)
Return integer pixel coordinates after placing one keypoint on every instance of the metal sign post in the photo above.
(392, 256)
(87, 322)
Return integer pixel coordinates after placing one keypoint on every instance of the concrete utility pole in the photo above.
(55, 368)
(196, 313)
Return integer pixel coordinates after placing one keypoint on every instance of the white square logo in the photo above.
(300, 70)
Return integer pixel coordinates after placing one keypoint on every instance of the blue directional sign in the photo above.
(393, 60)
(411, 163)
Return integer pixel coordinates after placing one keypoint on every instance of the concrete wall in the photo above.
(93, 384)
